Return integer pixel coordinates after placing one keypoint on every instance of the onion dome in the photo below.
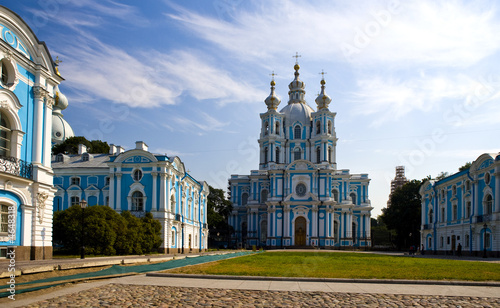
(272, 101)
(297, 86)
(323, 100)
(61, 130)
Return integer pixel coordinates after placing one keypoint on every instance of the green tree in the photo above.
(218, 211)
(403, 215)
(465, 167)
(70, 146)
(151, 228)
(441, 176)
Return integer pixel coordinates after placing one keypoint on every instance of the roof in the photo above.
(75, 161)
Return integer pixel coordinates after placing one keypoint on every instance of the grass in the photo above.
(347, 265)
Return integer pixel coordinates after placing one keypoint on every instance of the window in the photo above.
(297, 132)
(60, 158)
(429, 243)
(318, 127)
(329, 127)
(107, 200)
(454, 190)
(85, 157)
(467, 185)
(277, 155)
(4, 136)
(448, 240)
(263, 196)
(468, 209)
(4, 214)
(318, 155)
(137, 175)
(244, 199)
(263, 231)
(297, 154)
(277, 131)
(442, 242)
(336, 195)
(353, 198)
(442, 214)
(431, 215)
(75, 181)
(266, 153)
(137, 201)
(189, 210)
(106, 181)
(266, 128)
(300, 190)
(75, 200)
(487, 178)
(5, 74)
(455, 212)
(488, 205)
(466, 244)
(330, 155)
(173, 238)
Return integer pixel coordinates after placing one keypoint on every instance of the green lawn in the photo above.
(347, 265)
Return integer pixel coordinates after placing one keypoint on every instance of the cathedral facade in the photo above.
(28, 93)
(298, 197)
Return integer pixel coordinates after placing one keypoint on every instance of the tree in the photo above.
(70, 146)
(441, 176)
(218, 211)
(403, 215)
(106, 231)
(465, 167)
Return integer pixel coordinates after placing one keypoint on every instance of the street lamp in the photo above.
(484, 241)
(83, 205)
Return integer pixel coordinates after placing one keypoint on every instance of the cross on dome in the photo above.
(297, 56)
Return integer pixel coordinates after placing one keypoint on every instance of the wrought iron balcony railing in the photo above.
(16, 166)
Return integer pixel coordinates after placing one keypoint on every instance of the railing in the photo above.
(483, 218)
(16, 166)
(178, 217)
(427, 226)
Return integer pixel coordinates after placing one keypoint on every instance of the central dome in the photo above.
(297, 112)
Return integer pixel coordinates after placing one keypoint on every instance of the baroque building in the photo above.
(298, 197)
(28, 91)
(464, 209)
(137, 181)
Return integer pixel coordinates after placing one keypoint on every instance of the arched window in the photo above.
(277, 131)
(266, 153)
(137, 201)
(330, 155)
(266, 128)
(277, 155)
(4, 135)
(336, 195)
(336, 231)
(5, 75)
(137, 175)
(431, 216)
(297, 132)
(318, 155)
(244, 199)
(263, 196)
(297, 154)
(353, 198)
(488, 204)
(318, 127)
(329, 127)
(263, 231)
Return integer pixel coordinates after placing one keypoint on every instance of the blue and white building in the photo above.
(137, 181)
(28, 91)
(298, 197)
(464, 208)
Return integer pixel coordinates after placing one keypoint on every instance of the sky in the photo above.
(413, 83)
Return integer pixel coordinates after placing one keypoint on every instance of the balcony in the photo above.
(178, 217)
(18, 167)
(427, 226)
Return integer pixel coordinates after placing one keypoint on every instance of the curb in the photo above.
(338, 280)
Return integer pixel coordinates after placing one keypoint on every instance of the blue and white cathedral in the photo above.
(298, 197)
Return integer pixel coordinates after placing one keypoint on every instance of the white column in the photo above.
(39, 94)
(327, 224)
(154, 205)
(48, 133)
(165, 191)
(118, 191)
(112, 189)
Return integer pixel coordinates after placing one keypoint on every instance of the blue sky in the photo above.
(414, 83)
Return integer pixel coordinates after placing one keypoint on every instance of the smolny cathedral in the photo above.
(298, 197)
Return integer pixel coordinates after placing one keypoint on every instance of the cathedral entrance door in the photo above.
(300, 231)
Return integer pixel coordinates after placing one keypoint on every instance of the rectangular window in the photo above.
(75, 200)
(487, 240)
(75, 181)
(107, 181)
(4, 213)
(107, 201)
(442, 242)
(448, 241)
(429, 244)
(466, 244)
(455, 212)
(468, 209)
